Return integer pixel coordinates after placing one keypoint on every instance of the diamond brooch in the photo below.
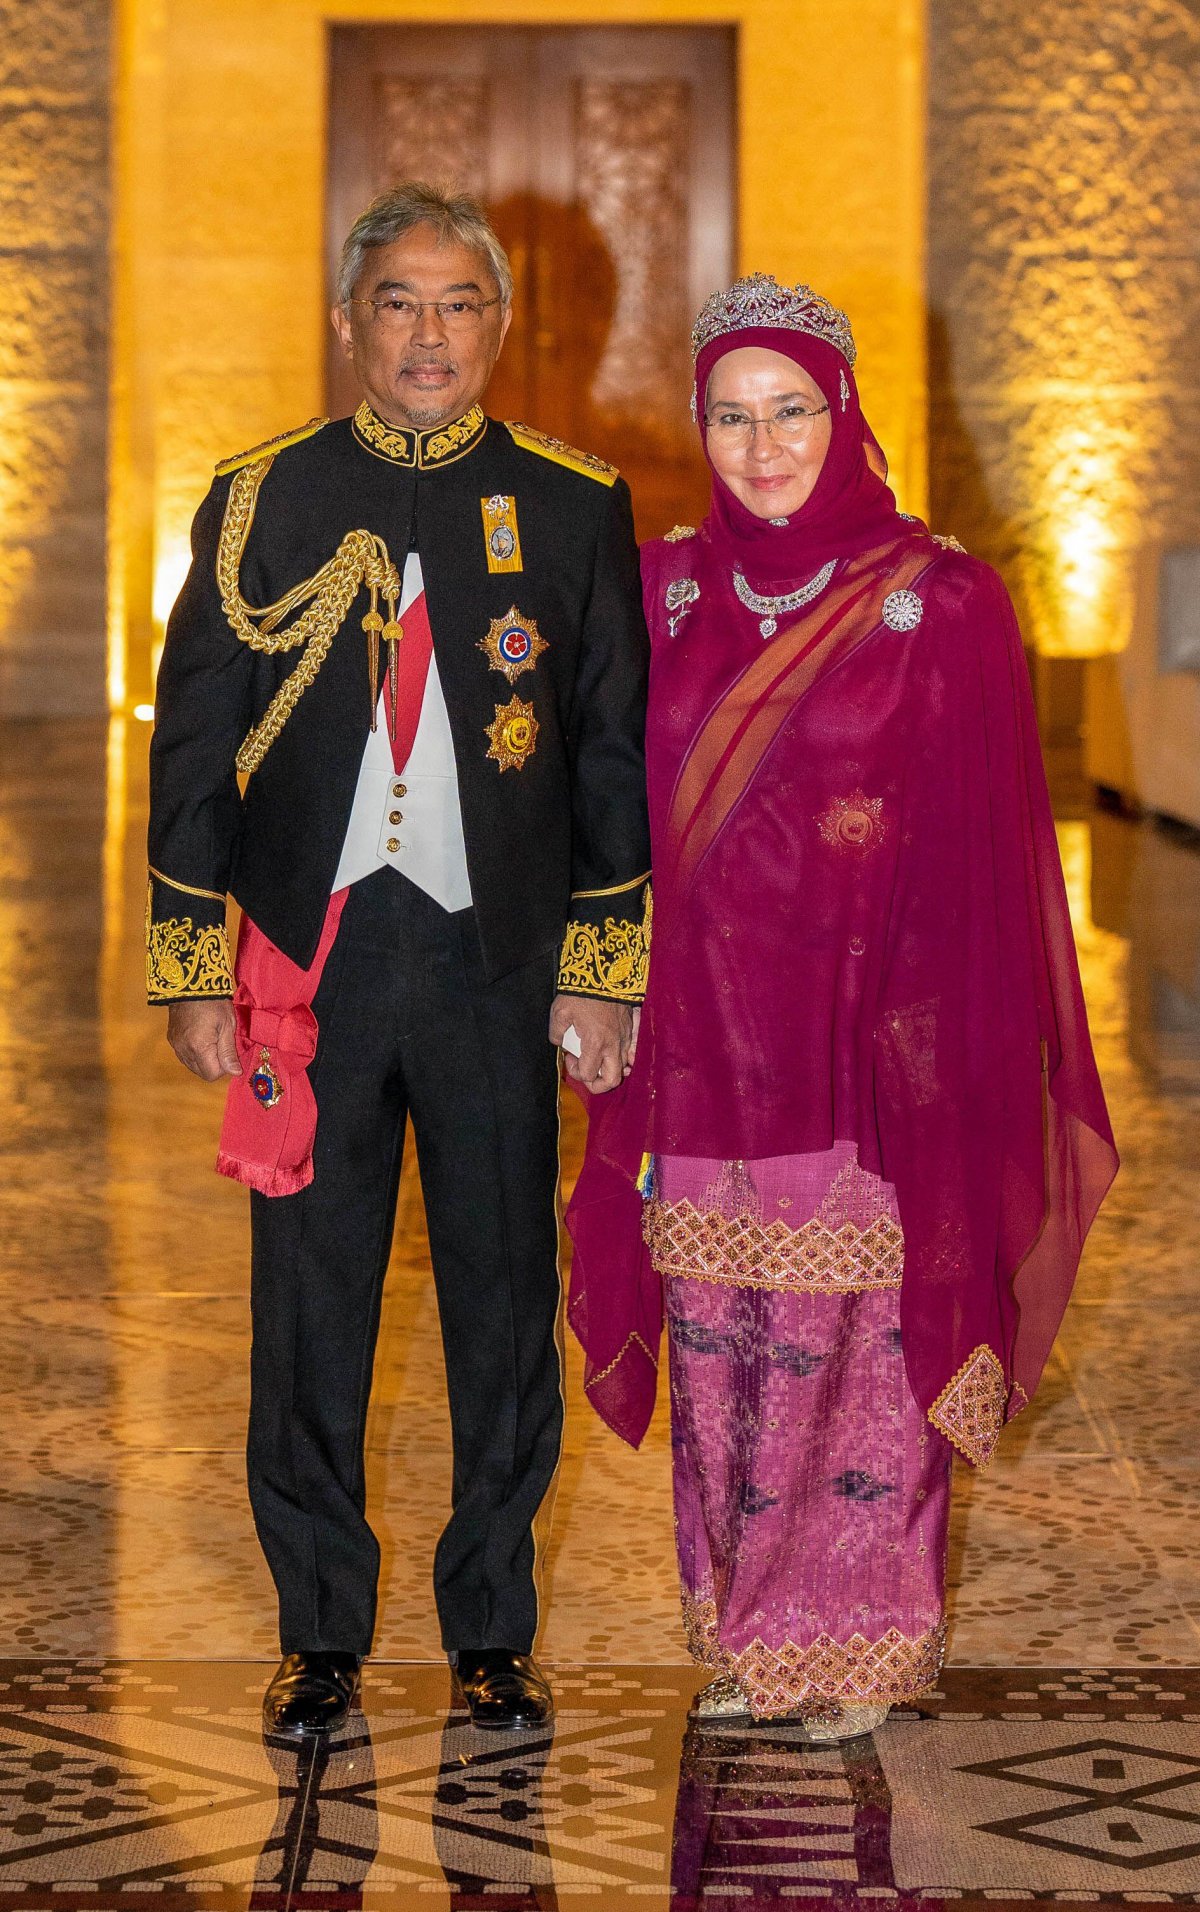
(681, 595)
(902, 611)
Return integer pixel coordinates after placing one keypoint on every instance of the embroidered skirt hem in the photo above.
(823, 1675)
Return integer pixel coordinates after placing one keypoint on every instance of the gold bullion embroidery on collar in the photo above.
(680, 532)
(513, 644)
(424, 449)
(513, 735)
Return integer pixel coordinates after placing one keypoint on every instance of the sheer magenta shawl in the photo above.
(861, 932)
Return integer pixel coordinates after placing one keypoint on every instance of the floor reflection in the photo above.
(326, 1834)
(489, 1828)
(1146, 888)
(758, 1810)
(130, 1784)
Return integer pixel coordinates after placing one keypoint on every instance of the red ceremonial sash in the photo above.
(270, 1110)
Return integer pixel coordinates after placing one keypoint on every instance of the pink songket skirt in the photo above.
(811, 1493)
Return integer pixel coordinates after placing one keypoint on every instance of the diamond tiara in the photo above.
(761, 300)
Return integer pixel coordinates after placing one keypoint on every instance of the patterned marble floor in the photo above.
(125, 1543)
(148, 1784)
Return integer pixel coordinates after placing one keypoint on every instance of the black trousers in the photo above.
(410, 1028)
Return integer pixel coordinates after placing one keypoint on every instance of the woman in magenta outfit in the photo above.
(863, 1138)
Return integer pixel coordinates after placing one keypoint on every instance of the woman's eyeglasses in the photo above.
(791, 424)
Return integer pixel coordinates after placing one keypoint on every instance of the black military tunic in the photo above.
(434, 1016)
(562, 837)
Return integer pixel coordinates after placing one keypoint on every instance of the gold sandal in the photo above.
(850, 1722)
(722, 1698)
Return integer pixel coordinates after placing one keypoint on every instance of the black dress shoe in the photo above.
(310, 1694)
(505, 1692)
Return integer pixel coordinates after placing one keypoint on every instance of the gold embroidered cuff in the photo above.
(185, 959)
(608, 960)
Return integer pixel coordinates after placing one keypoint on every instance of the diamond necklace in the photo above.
(770, 608)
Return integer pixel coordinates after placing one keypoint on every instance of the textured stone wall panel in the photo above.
(53, 50)
(55, 324)
(53, 183)
(1064, 285)
(54, 199)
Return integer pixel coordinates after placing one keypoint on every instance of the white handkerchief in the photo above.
(571, 1042)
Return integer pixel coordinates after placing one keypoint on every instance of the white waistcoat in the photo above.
(426, 844)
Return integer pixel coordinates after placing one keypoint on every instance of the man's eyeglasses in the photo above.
(791, 424)
(401, 315)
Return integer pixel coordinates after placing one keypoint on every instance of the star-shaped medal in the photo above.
(513, 735)
(513, 644)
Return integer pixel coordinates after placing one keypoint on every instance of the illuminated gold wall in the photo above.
(1064, 206)
(219, 284)
(54, 108)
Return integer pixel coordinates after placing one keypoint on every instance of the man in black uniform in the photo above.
(418, 634)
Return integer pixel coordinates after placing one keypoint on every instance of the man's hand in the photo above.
(201, 1034)
(607, 1034)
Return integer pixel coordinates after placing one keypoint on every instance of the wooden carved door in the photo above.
(605, 158)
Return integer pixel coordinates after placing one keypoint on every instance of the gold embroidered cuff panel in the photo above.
(970, 1409)
(187, 948)
(609, 957)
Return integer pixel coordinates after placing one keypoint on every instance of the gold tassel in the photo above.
(373, 624)
(393, 632)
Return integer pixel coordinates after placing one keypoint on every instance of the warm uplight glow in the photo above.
(170, 569)
(144, 713)
(1076, 564)
(1087, 562)
(1075, 849)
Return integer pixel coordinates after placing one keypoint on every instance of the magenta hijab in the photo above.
(850, 509)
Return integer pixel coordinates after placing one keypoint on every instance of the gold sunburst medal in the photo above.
(513, 644)
(513, 735)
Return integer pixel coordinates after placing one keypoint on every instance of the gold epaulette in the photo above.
(269, 447)
(562, 454)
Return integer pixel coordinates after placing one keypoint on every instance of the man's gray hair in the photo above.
(413, 203)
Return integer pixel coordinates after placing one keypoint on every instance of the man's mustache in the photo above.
(417, 361)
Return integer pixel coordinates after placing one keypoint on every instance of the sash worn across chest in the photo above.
(730, 746)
